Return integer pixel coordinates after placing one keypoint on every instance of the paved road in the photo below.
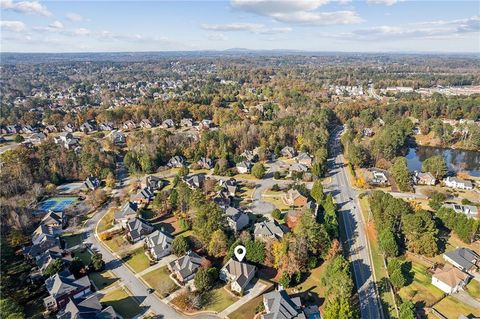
(358, 251)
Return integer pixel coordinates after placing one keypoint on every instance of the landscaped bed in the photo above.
(159, 280)
(138, 261)
(122, 302)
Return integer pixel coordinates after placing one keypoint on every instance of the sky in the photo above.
(308, 25)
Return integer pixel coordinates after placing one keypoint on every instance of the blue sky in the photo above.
(317, 25)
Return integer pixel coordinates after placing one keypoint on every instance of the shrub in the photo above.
(277, 214)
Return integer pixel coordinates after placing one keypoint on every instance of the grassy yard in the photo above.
(421, 289)
(453, 308)
(84, 256)
(117, 242)
(122, 302)
(473, 289)
(220, 299)
(245, 176)
(276, 201)
(247, 311)
(72, 240)
(148, 214)
(103, 279)
(160, 281)
(312, 286)
(107, 221)
(138, 261)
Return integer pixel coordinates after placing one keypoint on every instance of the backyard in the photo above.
(122, 302)
(117, 242)
(72, 240)
(452, 308)
(220, 299)
(248, 310)
(159, 280)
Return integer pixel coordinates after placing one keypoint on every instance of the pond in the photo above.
(457, 160)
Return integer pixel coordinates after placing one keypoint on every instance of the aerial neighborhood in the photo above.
(128, 182)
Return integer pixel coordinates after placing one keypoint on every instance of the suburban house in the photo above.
(236, 219)
(176, 161)
(469, 210)
(66, 139)
(378, 177)
(297, 168)
(288, 152)
(222, 199)
(137, 230)
(268, 230)
(244, 167)
(129, 125)
(278, 304)
(449, 279)
(87, 308)
(146, 123)
(128, 211)
(36, 250)
(195, 181)
(153, 182)
(464, 259)
(45, 259)
(368, 132)
(88, 127)
(186, 266)
(249, 155)
(69, 128)
(105, 127)
(186, 122)
(238, 274)
(117, 138)
(424, 178)
(454, 182)
(159, 244)
(62, 287)
(54, 219)
(168, 123)
(92, 183)
(304, 159)
(205, 162)
(43, 231)
(205, 124)
(294, 198)
(143, 196)
(229, 186)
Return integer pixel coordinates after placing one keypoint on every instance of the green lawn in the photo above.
(220, 299)
(122, 302)
(117, 242)
(421, 289)
(245, 176)
(84, 256)
(312, 286)
(160, 281)
(453, 308)
(138, 261)
(106, 222)
(148, 214)
(103, 279)
(473, 289)
(247, 311)
(72, 240)
(276, 201)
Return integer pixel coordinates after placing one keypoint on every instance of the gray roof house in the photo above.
(54, 219)
(279, 305)
(126, 212)
(43, 231)
(244, 167)
(144, 195)
(87, 308)
(268, 230)
(159, 243)
(304, 158)
(186, 266)
(238, 274)
(455, 182)
(236, 219)
(44, 243)
(464, 259)
(288, 152)
(168, 123)
(205, 162)
(118, 138)
(222, 199)
(176, 161)
(230, 186)
(62, 287)
(195, 181)
(154, 182)
(186, 122)
(92, 183)
(469, 210)
(136, 229)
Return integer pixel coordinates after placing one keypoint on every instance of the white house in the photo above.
(159, 244)
(455, 182)
(236, 219)
(449, 279)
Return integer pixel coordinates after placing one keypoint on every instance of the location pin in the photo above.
(240, 252)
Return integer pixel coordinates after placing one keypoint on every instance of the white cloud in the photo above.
(16, 26)
(33, 7)
(56, 25)
(303, 12)
(250, 27)
(75, 17)
(383, 2)
(429, 29)
(217, 37)
(81, 32)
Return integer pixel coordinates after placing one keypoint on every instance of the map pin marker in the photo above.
(240, 252)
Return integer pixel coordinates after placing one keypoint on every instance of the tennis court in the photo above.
(57, 204)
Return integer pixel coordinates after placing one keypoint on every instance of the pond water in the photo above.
(457, 160)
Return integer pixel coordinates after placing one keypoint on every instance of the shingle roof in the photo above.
(450, 275)
(241, 271)
(60, 284)
(129, 208)
(281, 306)
(187, 264)
(268, 228)
(464, 257)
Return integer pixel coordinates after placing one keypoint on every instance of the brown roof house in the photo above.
(449, 279)
(238, 274)
(294, 198)
(62, 287)
(424, 178)
(185, 267)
